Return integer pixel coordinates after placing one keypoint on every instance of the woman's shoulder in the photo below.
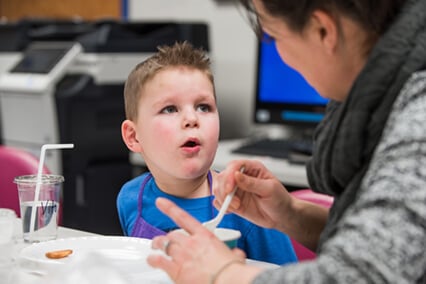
(408, 113)
(413, 91)
(400, 148)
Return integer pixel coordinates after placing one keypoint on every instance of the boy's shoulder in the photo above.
(136, 181)
(133, 185)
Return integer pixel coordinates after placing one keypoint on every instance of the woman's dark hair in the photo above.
(375, 16)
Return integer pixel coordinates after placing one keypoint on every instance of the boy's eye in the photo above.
(169, 109)
(204, 108)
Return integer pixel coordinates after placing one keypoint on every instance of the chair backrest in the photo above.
(14, 162)
(302, 252)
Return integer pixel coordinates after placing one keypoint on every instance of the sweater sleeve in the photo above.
(382, 236)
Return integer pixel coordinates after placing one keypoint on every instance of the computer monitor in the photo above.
(282, 95)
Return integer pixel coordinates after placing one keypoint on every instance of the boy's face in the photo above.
(178, 123)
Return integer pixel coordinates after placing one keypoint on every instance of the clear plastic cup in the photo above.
(46, 206)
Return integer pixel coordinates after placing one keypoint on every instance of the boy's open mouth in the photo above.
(191, 143)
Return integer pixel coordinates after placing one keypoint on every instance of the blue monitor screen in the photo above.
(283, 96)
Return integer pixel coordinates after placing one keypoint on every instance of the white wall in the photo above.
(233, 52)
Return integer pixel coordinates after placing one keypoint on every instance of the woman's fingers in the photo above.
(225, 182)
(233, 206)
(166, 264)
(239, 253)
(158, 242)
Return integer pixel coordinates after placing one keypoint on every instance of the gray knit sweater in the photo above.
(382, 235)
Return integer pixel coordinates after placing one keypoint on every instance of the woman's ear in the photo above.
(326, 29)
(128, 133)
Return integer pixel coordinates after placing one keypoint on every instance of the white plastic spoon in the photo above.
(212, 224)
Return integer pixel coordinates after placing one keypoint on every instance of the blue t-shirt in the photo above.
(258, 243)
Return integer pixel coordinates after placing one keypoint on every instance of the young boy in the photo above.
(173, 122)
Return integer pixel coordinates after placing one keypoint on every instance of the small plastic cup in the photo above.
(46, 206)
(228, 236)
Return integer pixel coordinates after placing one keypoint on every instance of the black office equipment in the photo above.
(41, 58)
(277, 148)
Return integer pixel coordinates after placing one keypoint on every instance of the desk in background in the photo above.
(289, 174)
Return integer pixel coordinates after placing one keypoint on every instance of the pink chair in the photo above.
(14, 162)
(302, 252)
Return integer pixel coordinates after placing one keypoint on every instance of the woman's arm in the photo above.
(306, 222)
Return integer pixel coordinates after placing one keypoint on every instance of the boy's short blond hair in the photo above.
(179, 54)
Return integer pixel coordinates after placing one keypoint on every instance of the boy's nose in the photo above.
(190, 119)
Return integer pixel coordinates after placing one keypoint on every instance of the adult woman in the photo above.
(369, 58)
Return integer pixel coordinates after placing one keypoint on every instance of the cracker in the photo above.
(58, 253)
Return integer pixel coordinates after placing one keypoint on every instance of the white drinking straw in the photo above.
(39, 173)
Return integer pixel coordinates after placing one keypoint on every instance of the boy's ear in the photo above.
(128, 133)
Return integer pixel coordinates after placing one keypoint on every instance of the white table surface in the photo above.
(16, 274)
(12, 272)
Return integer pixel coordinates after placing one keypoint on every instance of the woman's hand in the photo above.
(196, 258)
(260, 197)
